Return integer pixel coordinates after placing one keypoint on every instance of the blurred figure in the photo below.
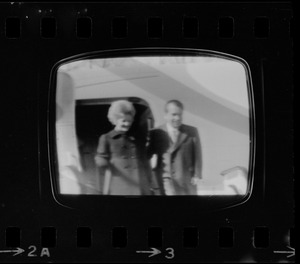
(121, 157)
(235, 181)
(175, 152)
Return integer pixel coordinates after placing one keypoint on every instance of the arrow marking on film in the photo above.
(16, 251)
(292, 252)
(153, 252)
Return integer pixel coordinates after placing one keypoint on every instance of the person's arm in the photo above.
(102, 154)
(151, 149)
(149, 144)
(102, 161)
(197, 158)
(153, 160)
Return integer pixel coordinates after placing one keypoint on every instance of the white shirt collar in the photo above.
(171, 129)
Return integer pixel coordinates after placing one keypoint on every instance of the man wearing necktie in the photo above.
(177, 150)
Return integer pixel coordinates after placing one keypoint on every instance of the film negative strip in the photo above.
(147, 132)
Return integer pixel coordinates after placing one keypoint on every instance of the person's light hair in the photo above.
(174, 102)
(119, 108)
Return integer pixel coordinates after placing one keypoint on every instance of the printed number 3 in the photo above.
(170, 253)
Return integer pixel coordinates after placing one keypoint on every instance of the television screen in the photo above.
(205, 97)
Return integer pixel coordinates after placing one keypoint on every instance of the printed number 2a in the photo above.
(45, 251)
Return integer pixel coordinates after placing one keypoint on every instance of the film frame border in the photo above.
(265, 36)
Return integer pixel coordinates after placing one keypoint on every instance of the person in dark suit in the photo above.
(121, 157)
(175, 148)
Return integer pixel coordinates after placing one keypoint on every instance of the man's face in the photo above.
(173, 116)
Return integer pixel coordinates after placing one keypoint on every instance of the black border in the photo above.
(27, 203)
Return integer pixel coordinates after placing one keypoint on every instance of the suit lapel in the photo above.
(181, 137)
(169, 140)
